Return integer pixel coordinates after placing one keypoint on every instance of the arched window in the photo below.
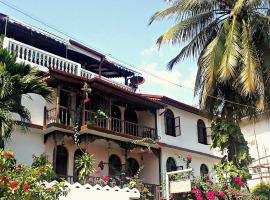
(171, 165)
(116, 118)
(204, 171)
(202, 135)
(77, 153)
(115, 165)
(61, 160)
(131, 122)
(132, 167)
(169, 123)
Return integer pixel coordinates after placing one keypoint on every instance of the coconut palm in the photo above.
(230, 39)
(17, 80)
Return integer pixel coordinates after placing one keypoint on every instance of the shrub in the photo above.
(262, 190)
(18, 181)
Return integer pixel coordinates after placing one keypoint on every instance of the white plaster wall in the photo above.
(197, 160)
(262, 130)
(189, 137)
(35, 104)
(101, 151)
(25, 144)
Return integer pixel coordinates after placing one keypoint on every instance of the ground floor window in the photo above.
(171, 165)
(60, 160)
(115, 165)
(132, 167)
(204, 171)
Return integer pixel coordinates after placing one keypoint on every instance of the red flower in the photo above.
(106, 178)
(189, 158)
(224, 187)
(26, 187)
(8, 154)
(98, 171)
(150, 151)
(238, 180)
(14, 184)
(87, 100)
(5, 178)
(210, 181)
(215, 192)
(159, 146)
(257, 198)
(222, 195)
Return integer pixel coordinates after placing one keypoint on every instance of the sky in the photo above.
(118, 28)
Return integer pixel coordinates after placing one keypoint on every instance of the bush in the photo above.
(262, 190)
(24, 182)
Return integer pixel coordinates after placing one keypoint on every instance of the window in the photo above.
(61, 160)
(169, 123)
(204, 171)
(202, 135)
(77, 153)
(132, 167)
(171, 165)
(115, 165)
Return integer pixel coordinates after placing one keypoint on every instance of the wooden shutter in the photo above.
(177, 126)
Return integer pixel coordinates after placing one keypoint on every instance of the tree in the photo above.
(230, 39)
(17, 80)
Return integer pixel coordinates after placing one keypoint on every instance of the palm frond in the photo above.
(230, 59)
(208, 63)
(183, 8)
(196, 45)
(186, 30)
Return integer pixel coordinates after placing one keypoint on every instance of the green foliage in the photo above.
(230, 39)
(24, 182)
(85, 165)
(262, 191)
(17, 80)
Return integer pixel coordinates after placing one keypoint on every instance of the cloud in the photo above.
(152, 51)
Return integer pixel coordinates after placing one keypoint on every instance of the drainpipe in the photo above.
(6, 25)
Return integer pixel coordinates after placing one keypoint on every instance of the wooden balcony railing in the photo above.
(119, 126)
(65, 118)
(62, 117)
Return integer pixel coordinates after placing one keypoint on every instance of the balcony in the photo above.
(65, 118)
(44, 61)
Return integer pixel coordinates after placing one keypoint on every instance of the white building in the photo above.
(257, 134)
(66, 65)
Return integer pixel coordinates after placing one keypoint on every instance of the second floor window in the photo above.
(202, 134)
(172, 124)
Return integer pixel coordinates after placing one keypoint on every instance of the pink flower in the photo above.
(106, 178)
(197, 193)
(222, 195)
(189, 158)
(87, 100)
(210, 195)
(215, 192)
(150, 151)
(210, 181)
(238, 180)
(159, 146)
(98, 171)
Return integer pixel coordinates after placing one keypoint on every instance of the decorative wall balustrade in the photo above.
(97, 192)
(44, 60)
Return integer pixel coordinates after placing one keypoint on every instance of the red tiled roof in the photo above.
(174, 103)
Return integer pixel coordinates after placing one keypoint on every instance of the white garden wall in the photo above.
(86, 192)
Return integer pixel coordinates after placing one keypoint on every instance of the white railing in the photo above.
(43, 60)
(86, 192)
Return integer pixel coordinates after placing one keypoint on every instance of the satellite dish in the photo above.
(137, 80)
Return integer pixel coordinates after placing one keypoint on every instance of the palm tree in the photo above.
(230, 39)
(17, 80)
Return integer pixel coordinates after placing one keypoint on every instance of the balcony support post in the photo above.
(100, 66)
(58, 104)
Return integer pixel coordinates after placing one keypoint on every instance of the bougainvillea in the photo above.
(18, 181)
